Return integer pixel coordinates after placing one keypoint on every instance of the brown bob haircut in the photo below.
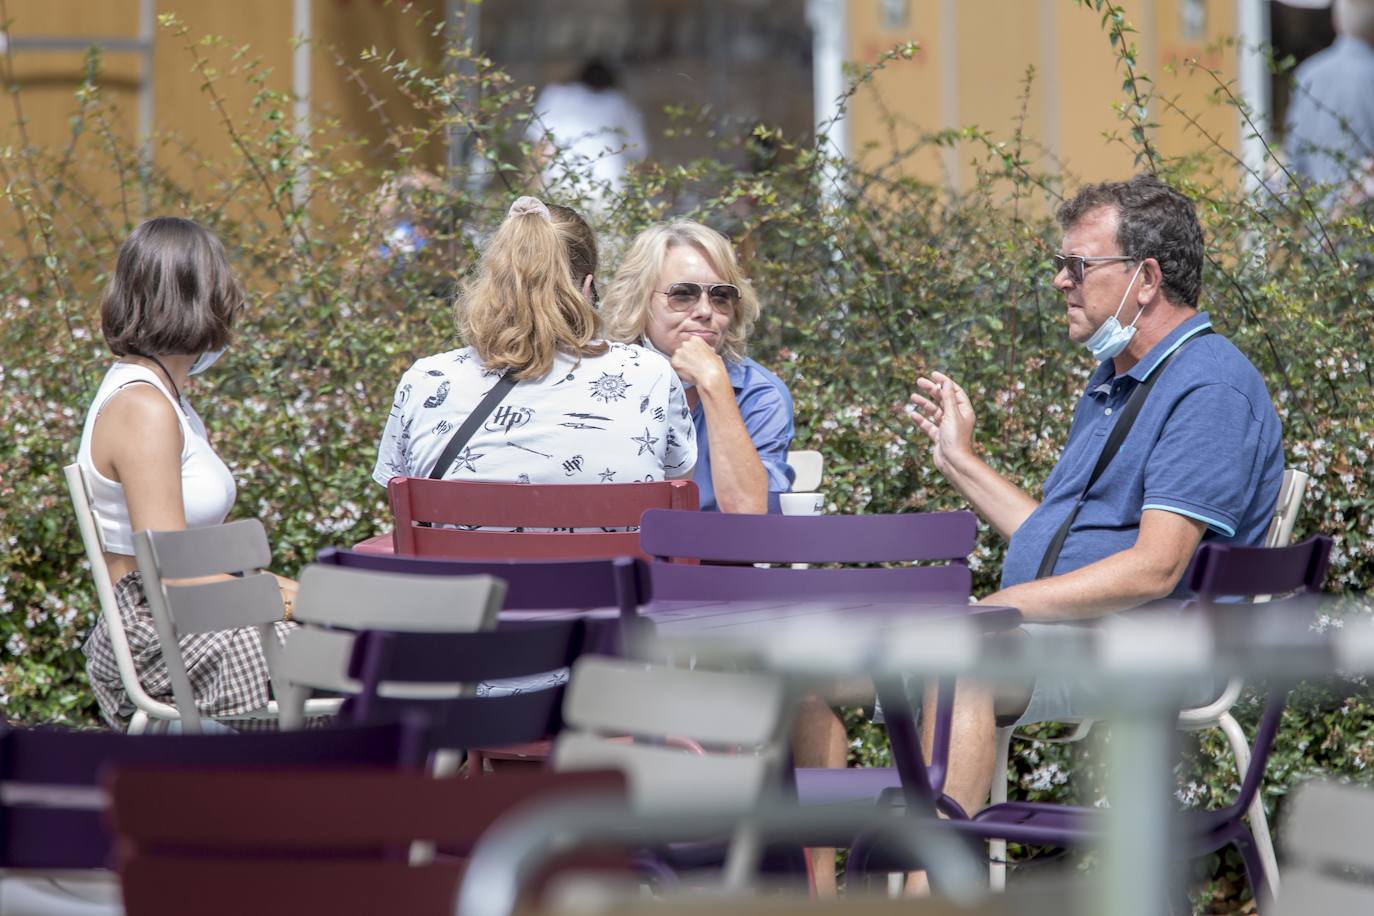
(172, 291)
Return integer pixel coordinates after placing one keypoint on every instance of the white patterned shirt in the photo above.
(620, 417)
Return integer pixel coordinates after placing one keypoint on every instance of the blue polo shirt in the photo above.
(766, 407)
(1206, 444)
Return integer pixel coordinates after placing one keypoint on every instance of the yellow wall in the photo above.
(263, 29)
(973, 58)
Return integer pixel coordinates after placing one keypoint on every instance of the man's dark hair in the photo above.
(172, 291)
(1154, 221)
(597, 75)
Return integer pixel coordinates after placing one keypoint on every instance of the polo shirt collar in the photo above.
(738, 373)
(1177, 337)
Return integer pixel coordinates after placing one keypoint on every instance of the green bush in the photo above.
(869, 278)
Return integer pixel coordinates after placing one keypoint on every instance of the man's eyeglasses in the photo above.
(683, 296)
(1077, 264)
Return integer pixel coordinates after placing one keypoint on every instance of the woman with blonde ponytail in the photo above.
(582, 410)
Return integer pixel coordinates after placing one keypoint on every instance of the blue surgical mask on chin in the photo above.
(1110, 339)
(205, 361)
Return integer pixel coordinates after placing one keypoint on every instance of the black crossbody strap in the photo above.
(475, 419)
(1123, 425)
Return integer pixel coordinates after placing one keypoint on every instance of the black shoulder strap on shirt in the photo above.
(1123, 425)
(483, 410)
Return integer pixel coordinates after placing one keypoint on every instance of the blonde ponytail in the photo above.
(524, 305)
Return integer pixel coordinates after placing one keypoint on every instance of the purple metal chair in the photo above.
(531, 585)
(945, 538)
(1218, 572)
(942, 538)
(52, 811)
(467, 722)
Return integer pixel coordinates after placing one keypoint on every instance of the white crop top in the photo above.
(207, 487)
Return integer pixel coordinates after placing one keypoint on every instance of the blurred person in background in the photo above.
(167, 314)
(1330, 123)
(586, 133)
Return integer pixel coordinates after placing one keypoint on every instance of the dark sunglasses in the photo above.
(1077, 264)
(682, 296)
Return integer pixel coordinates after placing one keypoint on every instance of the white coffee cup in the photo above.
(802, 503)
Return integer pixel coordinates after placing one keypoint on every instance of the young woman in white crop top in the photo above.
(167, 314)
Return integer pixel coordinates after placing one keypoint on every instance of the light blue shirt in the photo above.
(1333, 84)
(766, 406)
(1206, 444)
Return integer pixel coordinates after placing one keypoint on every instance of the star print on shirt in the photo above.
(607, 475)
(466, 460)
(609, 387)
(646, 441)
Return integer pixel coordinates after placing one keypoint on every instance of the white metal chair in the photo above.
(736, 719)
(145, 707)
(248, 597)
(1329, 850)
(808, 466)
(1216, 714)
(335, 602)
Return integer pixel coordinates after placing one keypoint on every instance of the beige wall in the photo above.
(48, 81)
(974, 55)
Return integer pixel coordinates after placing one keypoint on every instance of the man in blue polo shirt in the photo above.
(1203, 460)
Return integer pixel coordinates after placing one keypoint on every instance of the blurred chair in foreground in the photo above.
(293, 842)
(1329, 850)
(52, 811)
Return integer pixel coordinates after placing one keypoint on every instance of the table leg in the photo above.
(1138, 872)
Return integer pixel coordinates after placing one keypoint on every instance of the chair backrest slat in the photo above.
(400, 660)
(358, 599)
(616, 696)
(294, 809)
(419, 502)
(317, 658)
(234, 547)
(1327, 827)
(1221, 570)
(948, 584)
(718, 538)
(529, 545)
(667, 778)
(241, 602)
(621, 582)
(514, 650)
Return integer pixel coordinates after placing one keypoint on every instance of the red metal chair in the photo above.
(312, 841)
(422, 507)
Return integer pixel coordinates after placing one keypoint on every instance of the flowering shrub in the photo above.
(868, 277)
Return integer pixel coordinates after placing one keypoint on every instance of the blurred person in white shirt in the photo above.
(587, 133)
